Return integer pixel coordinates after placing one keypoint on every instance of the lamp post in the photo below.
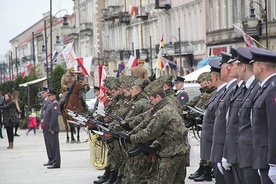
(171, 51)
(252, 21)
(151, 69)
(65, 29)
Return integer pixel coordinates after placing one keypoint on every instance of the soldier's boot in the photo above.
(62, 102)
(104, 177)
(106, 173)
(118, 180)
(206, 174)
(198, 172)
(112, 178)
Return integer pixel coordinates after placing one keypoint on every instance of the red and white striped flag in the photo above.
(85, 64)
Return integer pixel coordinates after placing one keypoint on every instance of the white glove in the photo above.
(225, 165)
(220, 168)
(272, 172)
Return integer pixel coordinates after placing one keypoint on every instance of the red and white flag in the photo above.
(70, 56)
(249, 41)
(103, 95)
(132, 62)
(132, 10)
(85, 64)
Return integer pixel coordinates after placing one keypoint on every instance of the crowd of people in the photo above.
(238, 97)
(238, 104)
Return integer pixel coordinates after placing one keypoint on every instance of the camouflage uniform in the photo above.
(170, 138)
(137, 165)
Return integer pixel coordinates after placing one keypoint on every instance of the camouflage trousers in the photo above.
(137, 169)
(169, 170)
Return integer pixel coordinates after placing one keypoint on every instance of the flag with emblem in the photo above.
(159, 58)
(121, 67)
(103, 95)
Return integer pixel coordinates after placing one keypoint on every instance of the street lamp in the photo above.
(252, 21)
(171, 51)
(65, 29)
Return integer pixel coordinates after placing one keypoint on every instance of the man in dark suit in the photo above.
(263, 114)
(51, 127)
(209, 117)
(245, 72)
(220, 120)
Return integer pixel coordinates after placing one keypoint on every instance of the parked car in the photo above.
(192, 89)
(90, 98)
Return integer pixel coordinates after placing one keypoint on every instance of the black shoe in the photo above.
(204, 177)
(53, 167)
(1, 137)
(112, 178)
(47, 164)
(16, 135)
(198, 173)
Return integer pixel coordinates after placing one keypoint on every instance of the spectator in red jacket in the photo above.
(32, 123)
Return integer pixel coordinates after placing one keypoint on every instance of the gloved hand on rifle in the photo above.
(127, 139)
(126, 126)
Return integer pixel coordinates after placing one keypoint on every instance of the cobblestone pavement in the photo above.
(24, 163)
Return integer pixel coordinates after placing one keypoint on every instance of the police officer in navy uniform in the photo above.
(209, 119)
(245, 72)
(230, 152)
(263, 114)
(45, 135)
(51, 128)
(181, 94)
(220, 120)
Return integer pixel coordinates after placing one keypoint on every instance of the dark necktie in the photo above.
(244, 89)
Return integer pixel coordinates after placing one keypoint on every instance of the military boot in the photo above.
(112, 178)
(198, 172)
(206, 174)
(106, 172)
(118, 180)
(104, 177)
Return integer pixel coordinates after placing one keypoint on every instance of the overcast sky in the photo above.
(18, 15)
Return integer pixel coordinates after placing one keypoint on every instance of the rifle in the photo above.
(197, 110)
(112, 134)
(116, 118)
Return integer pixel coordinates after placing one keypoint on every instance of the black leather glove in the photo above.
(126, 126)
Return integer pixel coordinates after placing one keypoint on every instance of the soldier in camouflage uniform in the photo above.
(139, 105)
(169, 132)
(113, 104)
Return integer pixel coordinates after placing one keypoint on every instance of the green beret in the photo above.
(154, 87)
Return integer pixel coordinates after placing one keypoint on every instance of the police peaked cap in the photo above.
(263, 55)
(51, 92)
(234, 55)
(215, 65)
(225, 57)
(96, 88)
(244, 55)
(179, 79)
(44, 89)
